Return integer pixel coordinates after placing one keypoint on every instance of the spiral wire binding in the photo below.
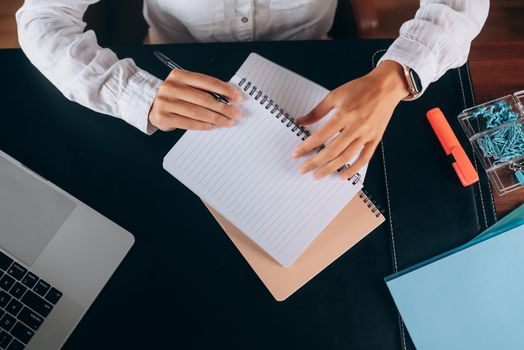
(284, 117)
(368, 200)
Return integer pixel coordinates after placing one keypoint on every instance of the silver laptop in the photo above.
(56, 254)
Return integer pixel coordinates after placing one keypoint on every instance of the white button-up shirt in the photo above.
(51, 33)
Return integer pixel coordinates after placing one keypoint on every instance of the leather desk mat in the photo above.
(183, 285)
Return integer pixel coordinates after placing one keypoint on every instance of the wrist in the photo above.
(390, 75)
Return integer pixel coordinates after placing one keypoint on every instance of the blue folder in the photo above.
(471, 297)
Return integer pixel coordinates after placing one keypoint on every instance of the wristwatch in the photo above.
(414, 84)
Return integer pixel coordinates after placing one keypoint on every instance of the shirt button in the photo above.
(244, 19)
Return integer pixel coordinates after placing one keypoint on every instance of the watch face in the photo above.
(417, 85)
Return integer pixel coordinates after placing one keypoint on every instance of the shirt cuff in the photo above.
(136, 101)
(416, 56)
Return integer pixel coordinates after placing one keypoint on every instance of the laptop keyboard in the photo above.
(25, 301)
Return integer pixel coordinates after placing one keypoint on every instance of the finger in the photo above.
(318, 138)
(172, 121)
(340, 161)
(332, 151)
(202, 98)
(318, 112)
(207, 83)
(193, 111)
(363, 159)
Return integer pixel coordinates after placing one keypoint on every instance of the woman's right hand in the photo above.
(183, 101)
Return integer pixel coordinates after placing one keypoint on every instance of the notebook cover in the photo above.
(353, 223)
(471, 299)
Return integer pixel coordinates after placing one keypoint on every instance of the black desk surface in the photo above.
(184, 285)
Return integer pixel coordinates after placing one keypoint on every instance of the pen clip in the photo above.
(463, 167)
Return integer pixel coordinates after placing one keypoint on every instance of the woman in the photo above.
(437, 39)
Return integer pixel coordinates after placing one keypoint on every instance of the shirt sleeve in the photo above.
(51, 34)
(439, 37)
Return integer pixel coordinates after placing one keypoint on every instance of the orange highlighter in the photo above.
(460, 161)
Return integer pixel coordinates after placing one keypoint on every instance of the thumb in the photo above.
(318, 112)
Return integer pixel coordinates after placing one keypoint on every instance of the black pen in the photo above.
(171, 64)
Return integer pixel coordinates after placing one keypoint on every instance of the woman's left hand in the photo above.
(363, 109)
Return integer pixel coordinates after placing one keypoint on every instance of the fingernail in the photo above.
(303, 170)
(294, 154)
(317, 176)
(237, 114)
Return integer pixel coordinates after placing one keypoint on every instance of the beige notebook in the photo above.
(358, 218)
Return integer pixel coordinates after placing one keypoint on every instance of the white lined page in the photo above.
(248, 175)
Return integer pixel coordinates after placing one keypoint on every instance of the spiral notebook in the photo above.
(247, 173)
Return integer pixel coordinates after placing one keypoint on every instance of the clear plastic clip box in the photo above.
(496, 132)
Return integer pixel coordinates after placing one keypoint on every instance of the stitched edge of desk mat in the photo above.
(482, 189)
